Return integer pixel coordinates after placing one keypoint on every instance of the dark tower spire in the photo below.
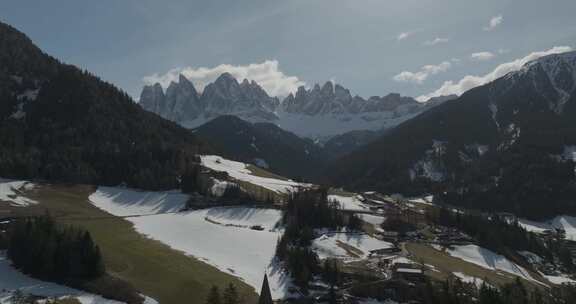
(265, 295)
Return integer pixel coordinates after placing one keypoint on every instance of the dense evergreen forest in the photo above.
(503, 146)
(47, 250)
(457, 292)
(44, 249)
(59, 123)
(305, 211)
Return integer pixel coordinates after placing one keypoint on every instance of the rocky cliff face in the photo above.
(320, 112)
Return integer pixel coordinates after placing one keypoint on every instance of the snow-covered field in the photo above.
(372, 219)
(127, 202)
(334, 245)
(487, 259)
(241, 216)
(568, 223)
(12, 280)
(11, 192)
(426, 200)
(242, 252)
(240, 171)
(558, 280)
(352, 203)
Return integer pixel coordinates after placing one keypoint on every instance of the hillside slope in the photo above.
(508, 145)
(62, 124)
(265, 145)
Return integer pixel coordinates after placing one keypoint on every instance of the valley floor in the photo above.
(155, 269)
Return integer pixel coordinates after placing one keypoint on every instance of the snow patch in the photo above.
(559, 280)
(261, 163)
(352, 203)
(12, 280)
(11, 192)
(487, 259)
(242, 216)
(240, 171)
(570, 153)
(372, 219)
(469, 279)
(219, 187)
(347, 245)
(568, 223)
(29, 95)
(128, 202)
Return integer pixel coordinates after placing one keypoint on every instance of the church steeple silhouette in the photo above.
(265, 295)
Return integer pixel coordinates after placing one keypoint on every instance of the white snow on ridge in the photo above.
(327, 245)
(559, 280)
(426, 200)
(353, 203)
(487, 259)
(127, 202)
(12, 280)
(568, 223)
(11, 192)
(219, 187)
(242, 216)
(372, 219)
(241, 172)
(570, 153)
(469, 279)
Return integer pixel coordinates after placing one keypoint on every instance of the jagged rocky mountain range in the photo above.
(320, 112)
(508, 145)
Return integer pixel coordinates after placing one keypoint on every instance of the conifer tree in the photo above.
(230, 295)
(214, 296)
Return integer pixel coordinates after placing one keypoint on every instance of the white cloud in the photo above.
(482, 56)
(436, 41)
(405, 35)
(470, 81)
(425, 72)
(267, 74)
(494, 23)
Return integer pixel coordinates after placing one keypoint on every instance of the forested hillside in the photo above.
(508, 145)
(59, 123)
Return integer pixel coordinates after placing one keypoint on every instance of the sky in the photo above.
(372, 47)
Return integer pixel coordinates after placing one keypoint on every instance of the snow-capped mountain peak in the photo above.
(322, 111)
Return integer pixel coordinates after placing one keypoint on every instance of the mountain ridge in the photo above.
(500, 146)
(319, 112)
(60, 123)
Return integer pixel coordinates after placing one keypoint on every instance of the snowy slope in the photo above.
(12, 280)
(11, 190)
(241, 216)
(568, 223)
(332, 245)
(240, 171)
(372, 219)
(559, 280)
(488, 259)
(352, 203)
(240, 251)
(127, 202)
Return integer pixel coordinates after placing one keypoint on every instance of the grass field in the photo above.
(153, 268)
(446, 264)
